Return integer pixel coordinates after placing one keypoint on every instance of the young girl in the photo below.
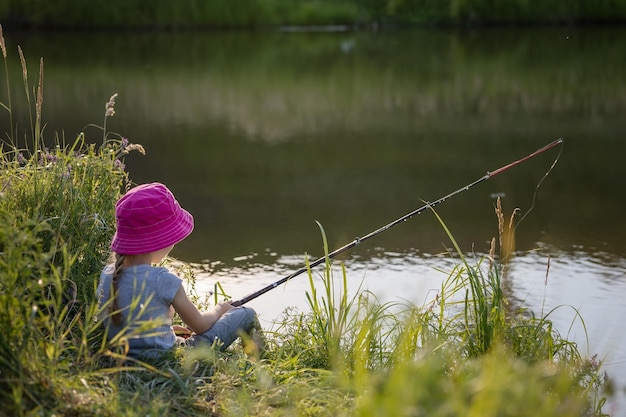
(140, 297)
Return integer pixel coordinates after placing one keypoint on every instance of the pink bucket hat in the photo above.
(149, 219)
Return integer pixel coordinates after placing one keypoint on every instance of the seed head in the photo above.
(23, 62)
(2, 44)
(39, 102)
(135, 147)
(110, 106)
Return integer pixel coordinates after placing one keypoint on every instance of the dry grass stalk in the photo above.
(2, 44)
(492, 253)
(23, 62)
(39, 102)
(506, 233)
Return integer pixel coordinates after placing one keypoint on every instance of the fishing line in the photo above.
(532, 206)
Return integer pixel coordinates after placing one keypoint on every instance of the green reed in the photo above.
(467, 352)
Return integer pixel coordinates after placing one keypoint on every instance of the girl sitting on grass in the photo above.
(141, 298)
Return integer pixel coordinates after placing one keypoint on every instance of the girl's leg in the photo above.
(227, 329)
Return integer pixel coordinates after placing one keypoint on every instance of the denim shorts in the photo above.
(227, 329)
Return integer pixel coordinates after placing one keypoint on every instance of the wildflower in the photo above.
(49, 156)
(110, 106)
(20, 158)
(119, 165)
(67, 173)
(124, 143)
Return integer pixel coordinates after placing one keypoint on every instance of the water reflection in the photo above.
(262, 134)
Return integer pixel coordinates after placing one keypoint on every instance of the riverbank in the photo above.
(221, 14)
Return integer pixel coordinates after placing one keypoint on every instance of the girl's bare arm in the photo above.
(197, 321)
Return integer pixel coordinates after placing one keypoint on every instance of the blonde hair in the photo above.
(116, 315)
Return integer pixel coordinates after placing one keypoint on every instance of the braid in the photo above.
(116, 316)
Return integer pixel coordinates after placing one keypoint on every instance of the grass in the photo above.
(465, 353)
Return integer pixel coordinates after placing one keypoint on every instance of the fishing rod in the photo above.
(407, 216)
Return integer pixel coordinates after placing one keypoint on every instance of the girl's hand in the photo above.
(198, 322)
(223, 307)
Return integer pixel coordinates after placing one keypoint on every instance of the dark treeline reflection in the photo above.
(261, 134)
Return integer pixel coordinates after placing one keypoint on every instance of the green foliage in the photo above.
(56, 220)
(256, 13)
(495, 384)
(320, 12)
(63, 196)
(70, 192)
(133, 13)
